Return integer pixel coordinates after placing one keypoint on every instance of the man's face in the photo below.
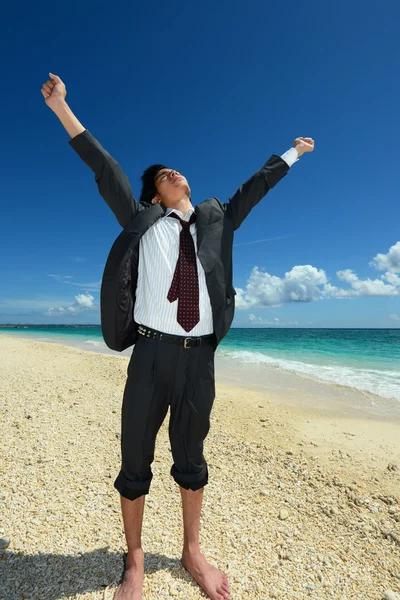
(171, 187)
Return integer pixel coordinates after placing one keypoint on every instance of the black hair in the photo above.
(148, 186)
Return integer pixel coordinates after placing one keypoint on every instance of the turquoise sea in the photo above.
(364, 359)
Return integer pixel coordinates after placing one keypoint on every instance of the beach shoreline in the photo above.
(294, 388)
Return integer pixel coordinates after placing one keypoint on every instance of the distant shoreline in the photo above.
(51, 325)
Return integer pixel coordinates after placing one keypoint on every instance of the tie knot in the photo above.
(185, 224)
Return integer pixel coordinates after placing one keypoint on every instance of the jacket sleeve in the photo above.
(111, 181)
(254, 189)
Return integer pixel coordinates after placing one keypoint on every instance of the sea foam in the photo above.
(383, 383)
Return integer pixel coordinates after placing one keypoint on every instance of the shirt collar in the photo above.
(178, 212)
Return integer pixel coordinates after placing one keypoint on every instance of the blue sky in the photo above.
(212, 89)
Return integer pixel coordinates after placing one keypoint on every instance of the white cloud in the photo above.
(78, 259)
(388, 262)
(347, 275)
(275, 321)
(92, 286)
(305, 283)
(360, 287)
(281, 237)
(28, 304)
(261, 321)
(395, 317)
(82, 302)
(331, 291)
(392, 278)
(301, 284)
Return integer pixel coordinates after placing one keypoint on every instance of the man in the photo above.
(175, 305)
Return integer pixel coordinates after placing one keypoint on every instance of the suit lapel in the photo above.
(145, 219)
(203, 212)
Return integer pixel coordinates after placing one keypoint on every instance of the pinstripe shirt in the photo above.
(158, 255)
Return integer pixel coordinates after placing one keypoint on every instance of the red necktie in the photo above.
(185, 283)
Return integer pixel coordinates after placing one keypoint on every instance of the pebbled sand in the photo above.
(300, 502)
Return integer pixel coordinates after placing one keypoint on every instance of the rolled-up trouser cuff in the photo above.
(132, 489)
(190, 481)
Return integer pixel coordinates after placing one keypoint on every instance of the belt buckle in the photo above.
(186, 340)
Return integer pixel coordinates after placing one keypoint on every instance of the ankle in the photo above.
(191, 550)
(134, 556)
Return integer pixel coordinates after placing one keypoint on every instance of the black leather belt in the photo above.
(186, 342)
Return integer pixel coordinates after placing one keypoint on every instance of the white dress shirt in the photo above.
(158, 255)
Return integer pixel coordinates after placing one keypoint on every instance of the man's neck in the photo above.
(183, 206)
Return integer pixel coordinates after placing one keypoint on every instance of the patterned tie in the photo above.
(185, 283)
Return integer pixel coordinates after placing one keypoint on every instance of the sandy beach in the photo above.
(303, 498)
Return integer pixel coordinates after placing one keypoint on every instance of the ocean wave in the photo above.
(380, 382)
(93, 342)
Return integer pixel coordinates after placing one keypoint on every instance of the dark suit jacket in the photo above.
(216, 222)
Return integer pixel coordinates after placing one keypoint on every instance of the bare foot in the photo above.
(210, 579)
(132, 583)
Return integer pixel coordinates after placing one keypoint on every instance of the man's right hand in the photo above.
(54, 91)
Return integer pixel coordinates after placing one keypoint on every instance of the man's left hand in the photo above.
(303, 144)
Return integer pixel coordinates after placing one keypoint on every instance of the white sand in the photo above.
(329, 470)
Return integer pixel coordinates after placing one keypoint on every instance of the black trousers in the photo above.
(162, 375)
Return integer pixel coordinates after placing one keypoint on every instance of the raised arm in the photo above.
(254, 189)
(112, 182)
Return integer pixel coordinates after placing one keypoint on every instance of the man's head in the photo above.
(160, 184)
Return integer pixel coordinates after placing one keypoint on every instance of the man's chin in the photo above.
(182, 191)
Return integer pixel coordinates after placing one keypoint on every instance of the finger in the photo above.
(55, 78)
(47, 88)
(50, 83)
(45, 94)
